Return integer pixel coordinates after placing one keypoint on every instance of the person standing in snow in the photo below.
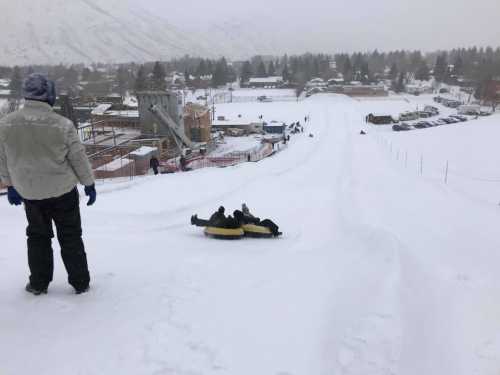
(154, 164)
(41, 161)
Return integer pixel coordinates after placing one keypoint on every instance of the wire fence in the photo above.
(444, 170)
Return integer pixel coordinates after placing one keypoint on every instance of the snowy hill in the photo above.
(55, 31)
(380, 270)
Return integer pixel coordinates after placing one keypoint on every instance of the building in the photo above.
(265, 82)
(153, 132)
(248, 127)
(360, 90)
(171, 103)
(115, 116)
(197, 122)
(275, 127)
(493, 92)
(316, 83)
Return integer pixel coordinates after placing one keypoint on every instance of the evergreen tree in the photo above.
(347, 69)
(261, 70)
(441, 68)
(201, 70)
(122, 81)
(422, 72)
(458, 66)
(400, 84)
(393, 73)
(16, 83)
(285, 74)
(158, 79)
(86, 74)
(221, 73)
(271, 70)
(70, 78)
(187, 78)
(246, 72)
(365, 73)
(141, 80)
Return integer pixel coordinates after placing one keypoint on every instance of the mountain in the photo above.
(60, 31)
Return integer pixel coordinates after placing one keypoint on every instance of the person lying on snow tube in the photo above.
(253, 226)
(220, 226)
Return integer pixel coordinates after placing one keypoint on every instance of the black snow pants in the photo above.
(64, 211)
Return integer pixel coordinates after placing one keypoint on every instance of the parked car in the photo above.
(431, 109)
(459, 118)
(401, 127)
(381, 119)
(421, 125)
(408, 116)
(264, 98)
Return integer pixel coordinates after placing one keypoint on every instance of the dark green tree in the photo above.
(221, 73)
(122, 81)
(261, 70)
(158, 79)
(271, 70)
(441, 68)
(16, 83)
(422, 72)
(400, 84)
(393, 73)
(246, 72)
(286, 74)
(141, 83)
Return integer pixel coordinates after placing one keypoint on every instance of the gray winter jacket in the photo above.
(41, 154)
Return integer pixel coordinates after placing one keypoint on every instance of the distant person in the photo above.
(154, 164)
(218, 220)
(183, 163)
(41, 162)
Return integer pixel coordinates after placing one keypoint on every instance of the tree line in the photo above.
(471, 66)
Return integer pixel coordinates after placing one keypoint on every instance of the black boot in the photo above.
(36, 292)
(82, 290)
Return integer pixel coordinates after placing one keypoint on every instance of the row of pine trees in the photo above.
(476, 65)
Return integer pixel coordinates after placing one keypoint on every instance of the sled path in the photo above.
(378, 272)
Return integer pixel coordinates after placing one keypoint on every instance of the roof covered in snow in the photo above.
(270, 80)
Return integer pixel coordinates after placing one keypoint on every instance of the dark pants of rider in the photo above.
(64, 211)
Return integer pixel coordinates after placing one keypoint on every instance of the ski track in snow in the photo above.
(351, 289)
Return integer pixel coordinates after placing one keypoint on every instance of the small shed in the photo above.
(142, 157)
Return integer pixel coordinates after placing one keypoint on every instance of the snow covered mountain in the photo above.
(56, 31)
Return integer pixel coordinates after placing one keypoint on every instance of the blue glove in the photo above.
(91, 193)
(13, 196)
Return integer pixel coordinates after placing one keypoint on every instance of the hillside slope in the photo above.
(58, 31)
(380, 271)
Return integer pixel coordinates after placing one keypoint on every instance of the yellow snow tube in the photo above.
(224, 233)
(257, 231)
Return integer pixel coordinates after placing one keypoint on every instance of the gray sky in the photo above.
(342, 25)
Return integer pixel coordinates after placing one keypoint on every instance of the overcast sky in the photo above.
(347, 25)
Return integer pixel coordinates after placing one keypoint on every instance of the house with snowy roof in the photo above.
(266, 82)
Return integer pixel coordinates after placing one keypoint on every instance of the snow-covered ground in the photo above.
(237, 144)
(380, 271)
